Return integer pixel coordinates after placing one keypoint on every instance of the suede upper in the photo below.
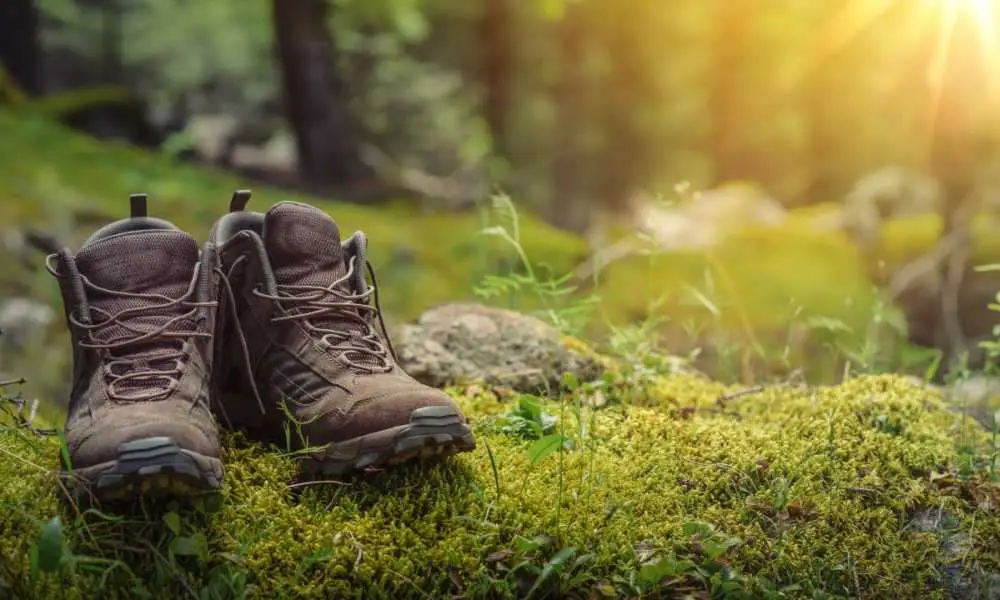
(140, 308)
(314, 352)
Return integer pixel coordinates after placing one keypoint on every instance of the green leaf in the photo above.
(194, 545)
(410, 23)
(173, 522)
(569, 381)
(176, 143)
(693, 528)
(552, 567)
(545, 446)
(525, 545)
(49, 549)
(552, 9)
(666, 567)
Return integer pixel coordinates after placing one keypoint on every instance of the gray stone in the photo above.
(961, 581)
(467, 343)
(888, 193)
(23, 320)
(977, 397)
(706, 218)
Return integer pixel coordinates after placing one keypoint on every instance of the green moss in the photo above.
(817, 484)
(754, 290)
(903, 240)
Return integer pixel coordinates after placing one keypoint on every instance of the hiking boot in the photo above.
(140, 305)
(304, 366)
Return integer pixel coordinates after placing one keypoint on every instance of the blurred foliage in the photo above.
(63, 183)
(802, 96)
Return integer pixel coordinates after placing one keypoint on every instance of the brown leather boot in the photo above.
(140, 304)
(304, 365)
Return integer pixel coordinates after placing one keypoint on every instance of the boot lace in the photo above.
(313, 304)
(141, 361)
(321, 308)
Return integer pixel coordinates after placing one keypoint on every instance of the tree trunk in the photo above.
(820, 101)
(953, 160)
(571, 203)
(496, 70)
(725, 106)
(956, 88)
(20, 50)
(625, 152)
(328, 138)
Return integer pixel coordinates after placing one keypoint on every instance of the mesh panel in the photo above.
(143, 262)
(303, 244)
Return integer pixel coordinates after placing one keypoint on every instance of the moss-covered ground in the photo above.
(792, 492)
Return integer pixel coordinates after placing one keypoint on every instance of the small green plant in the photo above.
(992, 347)
(882, 348)
(993, 451)
(697, 563)
(527, 419)
(534, 568)
(18, 412)
(561, 305)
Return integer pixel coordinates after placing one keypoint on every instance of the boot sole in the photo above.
(153, 466)
(433, 431)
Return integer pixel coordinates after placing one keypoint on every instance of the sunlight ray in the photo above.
(851, 21)
(836, 34)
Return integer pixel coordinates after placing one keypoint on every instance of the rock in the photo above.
(885, 194)
(959, 582)
(469, 343)
(22, 320)
(277, 154)
(701, 221)
(208, 134)
(978, 397)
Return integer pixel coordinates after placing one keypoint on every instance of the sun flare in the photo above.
(979, 7)
(983, 12)
(960, 20)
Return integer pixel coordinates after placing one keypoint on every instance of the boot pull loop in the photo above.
(239, 201)
(137, 204)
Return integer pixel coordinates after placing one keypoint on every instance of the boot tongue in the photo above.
(303, 244)
(141, 262)
(157, 262)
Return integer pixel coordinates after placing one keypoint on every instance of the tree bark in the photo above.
(820, 101)
(497, 70)
(954, 161)
(328, 137)
(20, 50)
(956, 87)
(626, 151)
(571, 203)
